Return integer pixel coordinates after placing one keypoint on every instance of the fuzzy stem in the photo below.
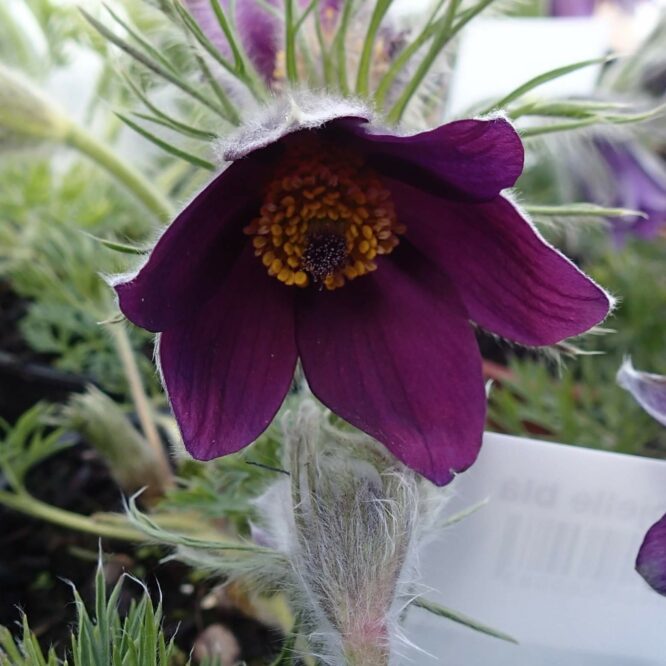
(27, 504)
(131, 178)
(366, 654)
(142, 404)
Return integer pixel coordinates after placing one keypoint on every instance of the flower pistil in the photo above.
(325, 217)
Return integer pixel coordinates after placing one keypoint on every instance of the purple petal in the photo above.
(562, 8)
(639, 184)
(648, 390)
(228, 369)
(301, 110)
(202, 12)
(473, 158)
(259, 31)
(394, 355)
(651, 560)
(511, 281)
(196, 251)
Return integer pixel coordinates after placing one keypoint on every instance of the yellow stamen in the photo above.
(325, 217)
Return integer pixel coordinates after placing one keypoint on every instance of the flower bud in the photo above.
(129, 458)
(350, 520)
(27, 116)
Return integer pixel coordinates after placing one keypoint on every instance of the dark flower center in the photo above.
(325, 218)
(324, 254)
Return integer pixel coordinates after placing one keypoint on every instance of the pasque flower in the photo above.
(639, 182)
(571, 8)
(651, 560)
(649, 390)
(365, 254)
(259, 29)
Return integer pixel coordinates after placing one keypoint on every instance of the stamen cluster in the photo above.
(325, 217)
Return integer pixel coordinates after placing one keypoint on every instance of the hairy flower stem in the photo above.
(132, 179)
(110, 525)
(141, 403)
(25, 503)
(366, 655)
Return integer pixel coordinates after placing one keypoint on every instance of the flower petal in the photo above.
(300, 110)
(649, 390)
(196, 251)
(228, 369)
(258, 28)
(394, 355)
(569, 8)
(473, 158)
(651, 560)
(511, 281)
(202, 12)
(638, 182)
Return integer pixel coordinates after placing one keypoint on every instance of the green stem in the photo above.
(363, 74)
(130, 177)
(386, 82)
(25, 503)
(448, 30)
(340, 42)
(142, 404)
(290, 41)
(326, 63)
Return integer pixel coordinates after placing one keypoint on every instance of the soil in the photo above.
(37, 559)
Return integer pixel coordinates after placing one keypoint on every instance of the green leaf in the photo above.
(27, 443)
(146, 45)
(125, 248)
(176, 126)
(429, 29)
(538, 130)
(238, 69)
(447, 28)
(152, 529)
(598, 119)
(151, 64)
(363, 74)
(167, 147)
(340, 42)
(466, 621)
(290, 41)
(544, 78)
(174, 123)
(582, 210)
(565, 108)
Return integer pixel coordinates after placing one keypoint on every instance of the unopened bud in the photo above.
(354, 517)
(27, 116)
(129, 458)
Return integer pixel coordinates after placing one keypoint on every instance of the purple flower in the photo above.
(260, 30)
(651, 560)
(575, 8)
(649, 390)
(365, 254)
(639, 185)
(572, 7)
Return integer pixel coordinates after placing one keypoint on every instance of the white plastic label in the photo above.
(549, 560)
(498, 55)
